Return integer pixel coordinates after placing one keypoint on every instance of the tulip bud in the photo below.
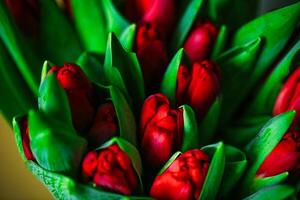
(25, 139)
(183, 179)
(285, 157)
(161, 130)
(200, 41)
(111, 169)
(159, 12)
(289, 97)
(26, 14)
(105, 125)
(151, 52)
(79, 91)
(198, 87)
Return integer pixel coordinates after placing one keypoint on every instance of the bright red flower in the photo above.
(105, 125)
(151, 52)
(161, 130)
(80, 91)
(200, 41)
(159, 12)
(25, 139)
(26, 14)
(111, 169)
(285, 157)
(183, 179)
(199, 86)
(289, 96)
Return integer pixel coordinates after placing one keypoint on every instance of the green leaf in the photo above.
(185, 23)
(55, 146)
(208, 125)
(45, 69)
(26, 60)
(169, 82)
(264, 100)
(125, 116)
(131, 151)
(191, 137)
(115, 22)
(259, 182)
(123, 71)
(127, 37)
(237, 69)
(92, 67)
(63, 187)
(241, 132)
(53, 100)
(220, 42)
(57, 37)
(275, 29)
(18, 136)
(235, 166)
(169, 162)
(90, 23)
(278, 192)
(16, 95)
(215, 172)
(262, 145)
(232, 13)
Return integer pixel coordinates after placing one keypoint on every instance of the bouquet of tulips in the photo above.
(154, 99)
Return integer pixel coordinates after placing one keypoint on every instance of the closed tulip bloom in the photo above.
(105, 125)
(183, 179)
(200, 41)
(159, 12)
(151, 52)
(25, 139)
(161, 130)
(199, 86)
(285, 157)
(110, 169)
(289, 97)
(79, 91)
(26, 14)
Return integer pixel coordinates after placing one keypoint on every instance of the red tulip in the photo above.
(289, 96)
(161, 130)
(79, 91)
(199, 86)
(183, 179)
(200, 41)
(151, 52)
(26, 14)
(105, 125)
(285, 157)
(111, 169)
(25, 139)
(158, 12)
